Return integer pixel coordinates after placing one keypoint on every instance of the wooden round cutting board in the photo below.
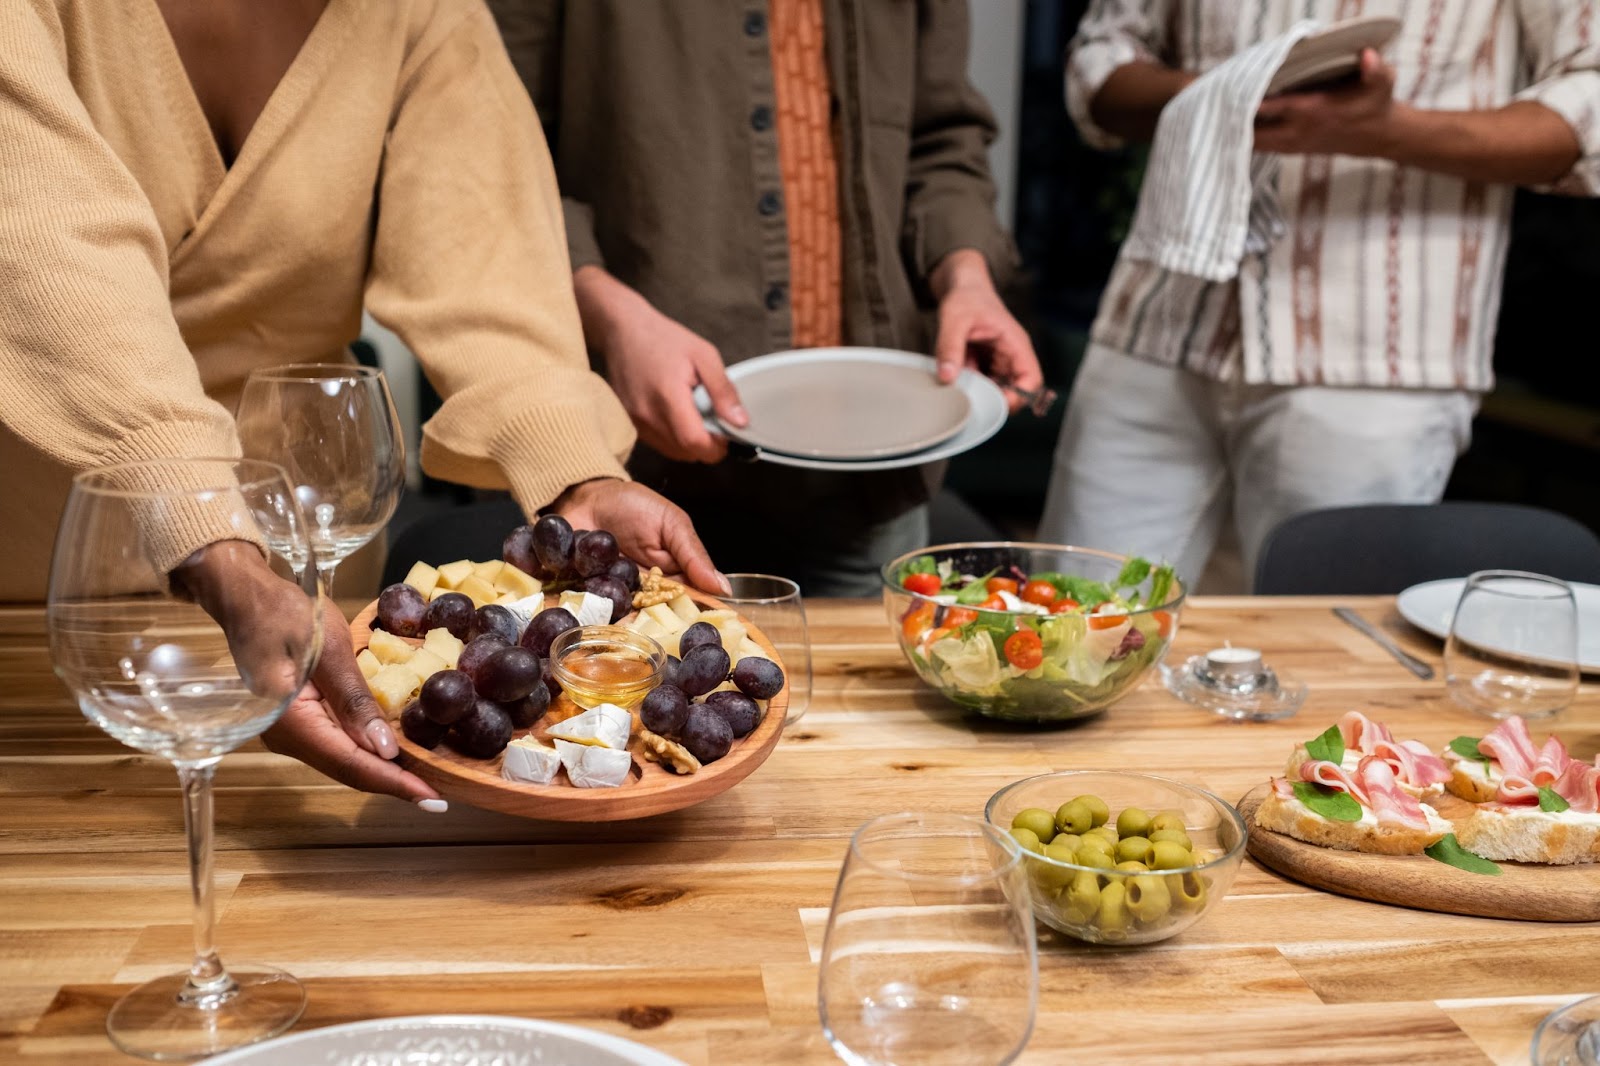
(1526, 891)
(650, 789)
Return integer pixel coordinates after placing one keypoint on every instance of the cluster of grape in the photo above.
(562, 558)
(708, 728)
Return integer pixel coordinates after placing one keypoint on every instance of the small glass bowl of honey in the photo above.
(606, 664)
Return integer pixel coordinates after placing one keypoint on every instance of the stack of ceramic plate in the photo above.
(1332, 52)
(857, 409)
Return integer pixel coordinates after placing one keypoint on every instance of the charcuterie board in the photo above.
(1530, 892)
(649, 790)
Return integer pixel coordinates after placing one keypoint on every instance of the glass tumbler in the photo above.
(774, 605)
(1513, 645)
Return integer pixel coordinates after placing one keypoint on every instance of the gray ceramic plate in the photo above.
(1431, 606)
(479, 1040)
(846, 404)
(1332, 52)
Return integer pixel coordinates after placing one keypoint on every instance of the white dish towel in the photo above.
(1207, 198)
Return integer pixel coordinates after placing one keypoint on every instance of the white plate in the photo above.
(456, 1039)
(988, 411)
(1332, 52)
(1431, 605)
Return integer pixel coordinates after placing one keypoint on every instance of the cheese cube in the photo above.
(531, 761)
(506, 599)
(478, 589)
(587, 608)
(516, 581)
(393, 687)
(368, 663)
(444, 644)
(749, 649)
(451, 575)
(605, 726)
(684, 608)
(489, 570)
(388, 648)
(665, 617)
(727, 625)
(594, 767)
(422, 577)
(425, 664)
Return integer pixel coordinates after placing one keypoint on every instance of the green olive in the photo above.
(1167, 820)
(1133, 822)
(1108, 833)
(1067, 840)
(1074, 817)
(1112, 915)
(1174, 836)
(1097, 845)
(1082, 898)
(1165, 855)
(1189, 892)
(1028, 839)
(1036, 819)
(1050, 877)
(1148, 897)
(1131, 867)
(1097, 808)
(1100, 860)
(1135, 849)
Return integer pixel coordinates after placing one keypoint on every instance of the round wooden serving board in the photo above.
(651, 789)
(1527, 891)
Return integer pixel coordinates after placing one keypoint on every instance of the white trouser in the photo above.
(1153, 459)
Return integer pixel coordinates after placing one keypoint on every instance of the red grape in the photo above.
(697, 634)
(493, 618)
(509, 674)
(594, 552)
(484, 732)
(626, 571)
(702, 669)
(419, 729)
(546, 626)
(758, 678)
(611, 589)
(706, 734)
(477, 652)
(552, 543)
(447, 696)
(517, 549)
(530, 708)
(737, 709)
(400, 610)
(451, 611)
(664, 710)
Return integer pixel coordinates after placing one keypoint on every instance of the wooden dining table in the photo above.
(698, 933)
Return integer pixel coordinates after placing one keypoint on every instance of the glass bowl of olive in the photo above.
(1120, 858)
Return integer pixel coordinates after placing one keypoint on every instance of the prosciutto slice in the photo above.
(1392, 805)
(1551, 763)
(1323, 772)
(1579, 785)
(1528, 769)
(1362, 733)
(1510, 745)
(1412, 762)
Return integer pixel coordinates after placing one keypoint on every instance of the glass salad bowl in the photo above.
(1031, 632)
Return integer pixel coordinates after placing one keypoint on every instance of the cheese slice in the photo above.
(529, 760)
(605, 726)
(587, 608)
(524, 609)
(594, 767)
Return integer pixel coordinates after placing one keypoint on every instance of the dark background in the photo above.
(1537, 439)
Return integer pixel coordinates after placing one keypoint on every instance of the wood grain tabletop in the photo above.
(698, 932)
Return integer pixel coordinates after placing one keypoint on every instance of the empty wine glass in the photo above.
(333, 427)
(1569, 1036)
(1513, 645)
(774, 605)
(929, 957)
(156, 670)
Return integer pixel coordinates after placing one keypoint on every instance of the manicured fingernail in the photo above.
(724, 584)
(383, 739)
(740, 416)
(433, 806)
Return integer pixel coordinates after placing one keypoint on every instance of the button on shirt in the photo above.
(1387, 275)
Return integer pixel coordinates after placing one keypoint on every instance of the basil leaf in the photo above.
(1467, 748)
(1161, 585)
(1329, 746)
(1551, 800)
(1331, 803)
(1134, 571)
(1450, 852)
(972, 595)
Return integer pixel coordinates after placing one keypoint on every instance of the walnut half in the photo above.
(655, 587)
(668, 753)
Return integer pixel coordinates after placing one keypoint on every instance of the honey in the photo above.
(602, 664)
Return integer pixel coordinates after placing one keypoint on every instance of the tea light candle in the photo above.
(1234, 663)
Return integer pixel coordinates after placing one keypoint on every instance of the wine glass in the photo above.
(929, 957)
(774, 605)
(1569, 1036)
(1513, 645)
(151, 667)
(333, 427)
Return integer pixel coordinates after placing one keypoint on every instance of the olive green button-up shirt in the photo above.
(660, 116)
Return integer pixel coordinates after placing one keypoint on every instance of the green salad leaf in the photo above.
(922, 564)
(972, 595)
(1551, 800)
(1133, 573)
(1329, 746)
(1161, 585)
(1331, 803)
(1450, 852)
(1467, 748)
(1088, 593)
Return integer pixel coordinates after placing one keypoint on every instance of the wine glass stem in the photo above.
(325, 574)
(209, 983)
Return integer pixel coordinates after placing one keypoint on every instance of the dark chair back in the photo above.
(1383, 549)
(469, 531)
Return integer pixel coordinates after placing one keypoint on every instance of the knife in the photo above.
(1405, 658)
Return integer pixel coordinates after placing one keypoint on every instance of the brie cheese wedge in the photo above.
(529, 760)
(605, 726)
(587, 608)
(524, 609)
(594, 767)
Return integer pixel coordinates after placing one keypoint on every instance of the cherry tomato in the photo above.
(1064, 605)
(936, 635)
(1107, 619)
(993, 603)
(1041, 592)
(995, 584)
(917, 621)
(959, 616)
(922, 584)
(1024, 649)
(1163, 623)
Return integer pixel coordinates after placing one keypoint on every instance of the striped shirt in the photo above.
(1386, 276)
